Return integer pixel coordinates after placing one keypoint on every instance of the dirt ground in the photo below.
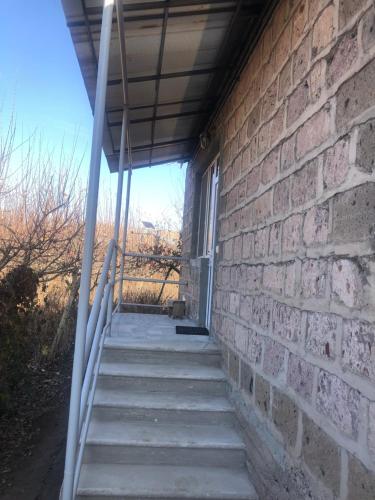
(33, 437)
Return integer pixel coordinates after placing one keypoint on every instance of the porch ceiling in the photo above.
(182, 59)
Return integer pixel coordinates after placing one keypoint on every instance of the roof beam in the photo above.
(164, 76)
(182, 159)
(159, 68)
(164, 144)
(133, 7)
(160, 104)
(162, 117)
(252, 11)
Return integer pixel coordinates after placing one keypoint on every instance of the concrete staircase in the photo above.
(162, 426)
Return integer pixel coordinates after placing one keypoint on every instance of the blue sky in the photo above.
(41, 84)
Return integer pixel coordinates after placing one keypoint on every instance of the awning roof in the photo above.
(181, 57)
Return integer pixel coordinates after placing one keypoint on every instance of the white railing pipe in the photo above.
(116, 230)
(93, 353)
(85, 428)
(125, 234)
(94, 314)
(89, 235)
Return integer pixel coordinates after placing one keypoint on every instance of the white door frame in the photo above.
(209, 249)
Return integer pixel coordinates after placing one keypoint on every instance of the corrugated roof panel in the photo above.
(203, 43)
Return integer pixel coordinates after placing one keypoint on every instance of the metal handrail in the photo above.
(154, 280)
(177, 258)
(97, 327)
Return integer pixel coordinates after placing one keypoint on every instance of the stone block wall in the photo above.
(294, 301)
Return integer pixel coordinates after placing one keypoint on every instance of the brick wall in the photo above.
(295, 280)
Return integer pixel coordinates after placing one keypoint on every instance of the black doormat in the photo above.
(191, 330)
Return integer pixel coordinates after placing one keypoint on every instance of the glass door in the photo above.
(210, 230)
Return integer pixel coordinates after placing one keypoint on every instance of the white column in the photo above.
(126, 224)
(118, 211)
(89, 235)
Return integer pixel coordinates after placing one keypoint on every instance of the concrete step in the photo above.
(144, 377)
(154, 443)
(115, 405)
(166, 352)
(135, 482)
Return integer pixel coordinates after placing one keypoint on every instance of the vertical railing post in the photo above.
(89, 236)
(117, 213)
(125, 235)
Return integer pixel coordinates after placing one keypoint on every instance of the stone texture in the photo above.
(342, 57)
(269, 101)
(253, 121)
(304, 184)
(290, 287)
(314, 132)
(261, 242)
(262, 394)
(324, 30)
(275, 239)
(286, 322)
(348, 9)
(355, 94)
(315, 225)
(253, 181)
(339, 402)
(368, 30)
(354, 214)
(234, 366)
(361, 481)
(254, 349)
(283, 46)
(299, 22)
(317, 78)
(285, 80)
(298, 102)
(292, 233)
(300, 376)
(347, 283)
(366, 146)
(270, 166)
(285, 416)
(336, 164)
(322, 334)
(274, 355)
(273, 278)
(314, 278)
(277, 125)
(247, 246)
(263, 207)
(253, 277)
(358, 348)
(371, 429)
(247, 378)
(262, 308)
(234, 303)
(246, 304)
(288, 153)
(321, 455)
(237, 248)
(301, 59)
(281, 197)
(241, 338)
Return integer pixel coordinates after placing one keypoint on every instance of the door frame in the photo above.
(210, 224)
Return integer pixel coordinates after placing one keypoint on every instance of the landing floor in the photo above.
(155, 330)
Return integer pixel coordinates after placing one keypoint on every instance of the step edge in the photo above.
(109, 404)
(167, 377)
(193, 446)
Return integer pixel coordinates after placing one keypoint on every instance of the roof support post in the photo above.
(116, 231)
(89, 235)
(125, 235)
